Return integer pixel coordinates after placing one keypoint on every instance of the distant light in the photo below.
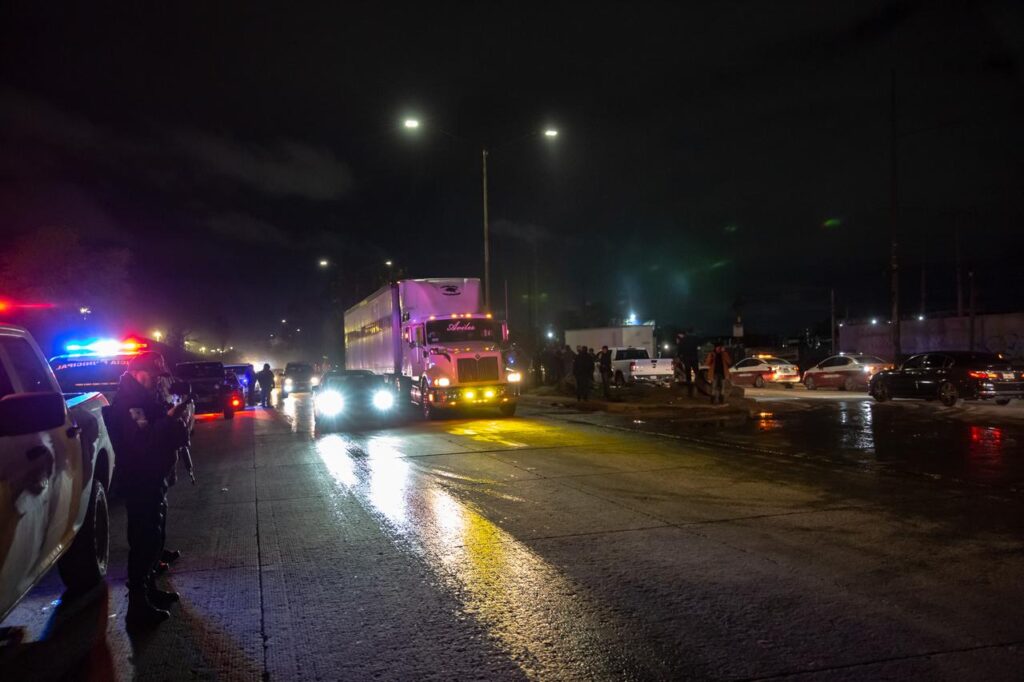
(832, 222)
(298, 329)
(874, 320)
(157, 334)
(731, 228)
(284, 321)
(202, 349)
(550, 132)
(85, 310)
(324, 262)
(631, 319)
(388, 263)
(665, 346)
(551, 334)
(840, 324)
(920, 318)
(412, 123)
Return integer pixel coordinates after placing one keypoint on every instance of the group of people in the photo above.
(687, 369)
(555, 365)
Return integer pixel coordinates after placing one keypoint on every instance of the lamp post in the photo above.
(548, 134)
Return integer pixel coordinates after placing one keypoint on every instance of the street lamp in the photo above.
(548, 133)
(388, 263)
(324, 262)
(157, 334)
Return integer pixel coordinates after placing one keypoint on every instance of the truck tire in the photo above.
(507, 410)
(620, 380)
(84, 565)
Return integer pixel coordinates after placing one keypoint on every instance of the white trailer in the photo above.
(635, 336)
(431, 337)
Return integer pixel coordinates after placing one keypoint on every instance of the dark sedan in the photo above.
(950, 376)
(354, 396)
(211, 388)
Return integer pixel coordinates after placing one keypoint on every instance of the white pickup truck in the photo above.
(55, 466)
(630, 365)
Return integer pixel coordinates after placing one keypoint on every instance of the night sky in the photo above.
(708, 153)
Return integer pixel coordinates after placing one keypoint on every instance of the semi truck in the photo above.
(430, 337)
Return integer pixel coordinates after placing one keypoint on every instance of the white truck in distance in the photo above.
(430, 336)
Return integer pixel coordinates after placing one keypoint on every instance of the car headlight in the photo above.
(329, 403)
(442, 381)
(288, 384)
(315, 381)
(383, 400)
(514, 377)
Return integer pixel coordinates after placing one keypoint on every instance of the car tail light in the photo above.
(632, 366)
(983, 375)
(235, 402)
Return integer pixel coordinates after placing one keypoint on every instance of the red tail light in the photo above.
(632, 366)
(975, 374)
(235, 402)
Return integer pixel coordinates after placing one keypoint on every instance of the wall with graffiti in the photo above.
(993, 333)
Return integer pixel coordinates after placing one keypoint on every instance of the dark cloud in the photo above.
(283, 168)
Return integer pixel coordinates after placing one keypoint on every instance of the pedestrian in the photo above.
(568, 364)
(583, 372)
(146, 436)
(718, 363)
(686, 352)
(604, 363)
(265, 378)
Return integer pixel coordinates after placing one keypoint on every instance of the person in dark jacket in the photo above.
(686, 351)
(604, 362)
(265, 378)
(583, 372)
(146, 436)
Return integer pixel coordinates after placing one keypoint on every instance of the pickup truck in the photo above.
(213, 390)
(630, 365)
(56, 462)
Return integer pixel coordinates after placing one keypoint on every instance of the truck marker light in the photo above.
(488, 394)
(470, 395)
(443, 381)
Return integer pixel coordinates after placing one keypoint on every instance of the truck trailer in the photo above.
(431, 339)
(635, 336)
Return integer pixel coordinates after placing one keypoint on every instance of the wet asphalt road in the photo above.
(544, 547)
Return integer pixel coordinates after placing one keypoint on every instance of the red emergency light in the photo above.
(7, 306)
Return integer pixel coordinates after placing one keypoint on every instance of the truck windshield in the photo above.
(632, 354)
(458, 331)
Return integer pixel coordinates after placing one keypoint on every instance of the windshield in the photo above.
(632, 354)
(340, 382)
(75, 376)
(869, 360)
(298, 369)
(459, 331)
(201, 370)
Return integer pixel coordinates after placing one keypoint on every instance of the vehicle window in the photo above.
(749, 362)
(828, 362)
(915, 362)
(419, 336)
(89, 374)
(632, 354)
(938, 361)
(298, 369)
(5, 383)
(461, 331)
(869, 360)
(26, 366)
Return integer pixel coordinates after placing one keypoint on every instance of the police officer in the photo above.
(147, 435)
(265, 378)
(165, 396)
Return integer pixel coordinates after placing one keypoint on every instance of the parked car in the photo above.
(949, 376)
(246, 374)
(56, 462)
(299, 377)
(763, 369)
(851, 372)
(630, 365)
(355, 396)
(210, 387)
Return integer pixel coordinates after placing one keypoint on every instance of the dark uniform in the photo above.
(146, 441)
(265, 378)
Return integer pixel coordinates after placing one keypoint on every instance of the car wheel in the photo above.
(849, 384)
(759, 381)
(229, 414)
(809, 383)
(1003, 401)
(880, 392)
(948, 394)
(84, 565)
(507, 410)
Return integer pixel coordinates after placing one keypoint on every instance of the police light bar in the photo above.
(106, 346)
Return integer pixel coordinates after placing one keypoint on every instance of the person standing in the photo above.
(583, 373)
(604, 363)
(686, 351)
(265, 378)
(568, 363)
(146, 436)
(718, 362)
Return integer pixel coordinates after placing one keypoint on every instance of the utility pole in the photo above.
(894, 287)
(832, 296)
(487, 238)
(959, 274)
(970, 280)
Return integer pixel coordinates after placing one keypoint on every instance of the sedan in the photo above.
(354, 396)
(762, 369)
(845, 372)
(950, 376)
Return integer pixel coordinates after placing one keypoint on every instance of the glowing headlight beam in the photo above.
(383, 400)
(329, 403)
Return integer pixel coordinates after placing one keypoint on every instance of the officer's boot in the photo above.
(142, 613)
(161, 599)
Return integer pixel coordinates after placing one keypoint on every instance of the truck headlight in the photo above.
(288, 384)
(442, 382)
(315, 381)
(329, 403)
(514, 377)
(383, 400)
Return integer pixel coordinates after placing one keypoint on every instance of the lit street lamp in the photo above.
(548, 133)
(157, 334)
(324, 262)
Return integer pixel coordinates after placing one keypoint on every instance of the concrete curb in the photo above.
(701, 411)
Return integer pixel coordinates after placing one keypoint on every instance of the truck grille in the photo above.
(471, 369)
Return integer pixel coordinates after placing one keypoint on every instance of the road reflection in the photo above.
(524, 601)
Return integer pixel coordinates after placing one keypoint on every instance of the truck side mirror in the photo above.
(31, 412)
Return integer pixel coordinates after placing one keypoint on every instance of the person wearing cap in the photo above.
(146, 436)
